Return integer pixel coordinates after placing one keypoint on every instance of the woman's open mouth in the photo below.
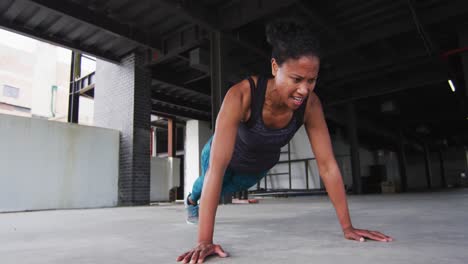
(297, 100)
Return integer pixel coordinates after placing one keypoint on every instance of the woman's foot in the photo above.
(192, 211)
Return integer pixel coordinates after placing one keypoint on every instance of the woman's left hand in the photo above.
(361, 235)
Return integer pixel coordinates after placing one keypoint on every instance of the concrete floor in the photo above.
(427, 227)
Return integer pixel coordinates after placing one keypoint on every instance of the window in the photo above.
(10, 91)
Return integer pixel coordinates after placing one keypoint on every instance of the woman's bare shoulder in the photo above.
(242, 90)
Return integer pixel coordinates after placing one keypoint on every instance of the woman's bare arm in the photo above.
(319, 138)
(222, 147)
(234, 109)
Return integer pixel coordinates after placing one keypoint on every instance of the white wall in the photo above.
(165, 175)
(301, 149)
(197, 134)
(455, 161)
(54, 165)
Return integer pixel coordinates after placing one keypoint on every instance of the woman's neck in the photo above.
(272, 99)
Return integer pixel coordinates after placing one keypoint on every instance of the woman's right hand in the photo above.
(200, 252)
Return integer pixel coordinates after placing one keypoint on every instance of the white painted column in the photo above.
(154, 141)
(197, 134)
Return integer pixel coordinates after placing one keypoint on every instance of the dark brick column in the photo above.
(122, 101)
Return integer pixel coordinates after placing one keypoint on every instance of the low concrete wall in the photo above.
(52, 165)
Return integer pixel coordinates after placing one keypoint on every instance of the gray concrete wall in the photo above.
(53, 165)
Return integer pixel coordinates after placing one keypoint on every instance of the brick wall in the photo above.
(122, 101)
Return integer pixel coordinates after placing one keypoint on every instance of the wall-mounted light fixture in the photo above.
(452, 86)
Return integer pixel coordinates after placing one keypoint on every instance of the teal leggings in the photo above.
(233, 181)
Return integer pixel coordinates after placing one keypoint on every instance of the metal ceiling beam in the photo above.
(202, 16)
(393, 62)
(431, 16)
(22, 30)
(194, 13)
(239, 13)
(13, 9)
(178, 42)
(413, 81)
(168, 77)
(101, 21)
(171, 86)
(158, 109)
(179, 107)
(344, 78)
(180, 101)
(325, 25)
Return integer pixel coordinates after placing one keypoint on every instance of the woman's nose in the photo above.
(303, 90)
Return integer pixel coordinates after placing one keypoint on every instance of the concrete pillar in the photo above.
(402, 163)
(354, 148)
(218, 68)
(122, 102)
(443, 180)
(427, 163)
(463, 42)
(153, 142)
(197, 134)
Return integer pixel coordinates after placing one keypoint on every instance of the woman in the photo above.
(259, 116)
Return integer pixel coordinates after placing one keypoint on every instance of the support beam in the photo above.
(202, 16)
(164, 85)
(414, 81)
(443, 180)
(13, 9)
(463, 42)
(436, 14)
(179, 42)
(73, 95)
(171, 137)
(346, 75)
(218, 73)
(175, 80)
(325, 25)
(179, 107)
(238, 13)
(180, 101)
(100, 20)
(354, 148)
(167, 111)
(402, 163)
(77, 46)
(427, 163)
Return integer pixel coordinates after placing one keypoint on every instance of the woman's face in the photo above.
(295, 79)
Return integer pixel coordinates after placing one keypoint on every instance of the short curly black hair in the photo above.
(291, 39)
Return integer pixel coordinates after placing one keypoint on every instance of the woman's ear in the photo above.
(274, 67)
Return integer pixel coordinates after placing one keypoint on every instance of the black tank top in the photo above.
(257, 147)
